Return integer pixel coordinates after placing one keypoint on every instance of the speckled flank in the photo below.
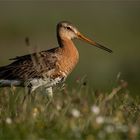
(50, 67)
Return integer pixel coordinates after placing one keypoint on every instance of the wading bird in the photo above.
(46, 68)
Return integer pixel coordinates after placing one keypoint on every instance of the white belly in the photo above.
(47, 82)
(35, 83)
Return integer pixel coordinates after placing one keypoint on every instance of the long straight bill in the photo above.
(94, 43)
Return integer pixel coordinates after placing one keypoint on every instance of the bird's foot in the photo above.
(49, 92)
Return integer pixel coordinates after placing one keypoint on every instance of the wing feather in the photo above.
(30, 66)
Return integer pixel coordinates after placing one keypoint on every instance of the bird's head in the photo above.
(65, 30)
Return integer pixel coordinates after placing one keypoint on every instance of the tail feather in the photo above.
(5, 72)
(6, 78)
(2, 71)
(5, 83)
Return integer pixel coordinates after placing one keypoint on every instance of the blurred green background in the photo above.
(114, 24)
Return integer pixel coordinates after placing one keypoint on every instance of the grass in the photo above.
(79, 114)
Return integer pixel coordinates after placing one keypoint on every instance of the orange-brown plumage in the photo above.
(46, 68)
(69, 57)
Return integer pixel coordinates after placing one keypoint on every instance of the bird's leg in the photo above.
(49, 92)
(28, 90)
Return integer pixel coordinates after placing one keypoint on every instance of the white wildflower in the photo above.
(58, 107)
(109, 129)
(35, 112)
(8, 120)
(75, 113)
(100, 120)
(95, 109)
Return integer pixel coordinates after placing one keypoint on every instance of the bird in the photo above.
(47, 68)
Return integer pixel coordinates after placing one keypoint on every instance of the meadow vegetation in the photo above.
(78, 114)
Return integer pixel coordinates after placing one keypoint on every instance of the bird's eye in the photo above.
(69, 28)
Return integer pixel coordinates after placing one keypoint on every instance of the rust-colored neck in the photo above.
(70, 55)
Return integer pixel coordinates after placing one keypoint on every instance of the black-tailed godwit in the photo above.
(46, 68)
